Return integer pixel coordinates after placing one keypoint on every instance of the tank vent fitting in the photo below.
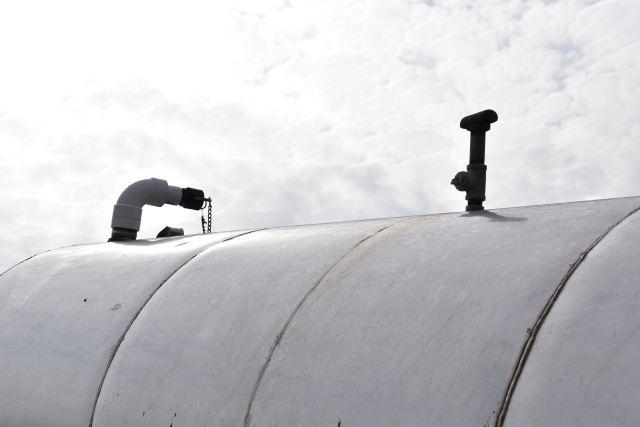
(170, 232)
(474, 180)
(127, 212)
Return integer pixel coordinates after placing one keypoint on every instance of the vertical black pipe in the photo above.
(476, 150)
(474, 180)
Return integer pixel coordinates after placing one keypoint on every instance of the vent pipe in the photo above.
(127, 212)
(474, 180)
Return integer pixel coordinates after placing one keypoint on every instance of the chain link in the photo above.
(207, 222)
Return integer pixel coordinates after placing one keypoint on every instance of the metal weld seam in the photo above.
(23, 261)
(43, 253)
(533, 334)
(144, 304)
(278, 339)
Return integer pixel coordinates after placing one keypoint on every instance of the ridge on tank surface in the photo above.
(521, 316)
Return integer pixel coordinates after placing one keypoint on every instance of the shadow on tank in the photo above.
(492, 216)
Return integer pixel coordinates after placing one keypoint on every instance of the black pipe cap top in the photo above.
(479, 122)
(192, 198)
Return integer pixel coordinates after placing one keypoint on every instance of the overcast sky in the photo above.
(294, 112)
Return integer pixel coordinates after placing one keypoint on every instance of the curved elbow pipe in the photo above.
(127, 212)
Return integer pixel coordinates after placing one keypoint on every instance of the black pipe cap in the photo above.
(479, 122)
(192, 198)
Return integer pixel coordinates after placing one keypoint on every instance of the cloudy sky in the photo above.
(293, 112)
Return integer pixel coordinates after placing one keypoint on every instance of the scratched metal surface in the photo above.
(421, 324)
(197, 348)
(584, 368)
(54, 345)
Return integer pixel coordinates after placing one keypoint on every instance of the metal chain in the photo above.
(207, 222)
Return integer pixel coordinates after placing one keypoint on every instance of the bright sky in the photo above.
(292, 112)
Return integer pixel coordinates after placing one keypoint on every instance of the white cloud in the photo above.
(300, 111)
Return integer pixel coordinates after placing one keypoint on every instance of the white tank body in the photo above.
(402, 321)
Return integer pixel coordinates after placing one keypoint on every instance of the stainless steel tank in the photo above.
(424, 320)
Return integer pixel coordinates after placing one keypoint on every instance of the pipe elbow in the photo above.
(152, 191)
(127, 212)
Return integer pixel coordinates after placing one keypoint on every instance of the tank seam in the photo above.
(142, 306)
(23, 261)
(535, 329)
(283, 330)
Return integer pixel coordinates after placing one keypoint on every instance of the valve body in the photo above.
(473, 181)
